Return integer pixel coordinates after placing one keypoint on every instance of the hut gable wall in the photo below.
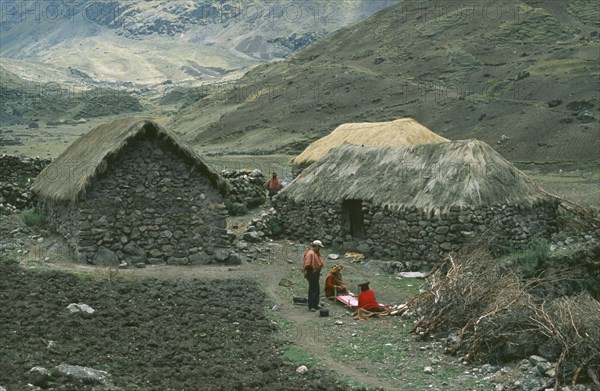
(150, 206)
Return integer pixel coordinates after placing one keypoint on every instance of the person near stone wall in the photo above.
(311, 268)
(273, 186)
(366, 298)
(334, 284)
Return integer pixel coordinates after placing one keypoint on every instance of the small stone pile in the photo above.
(537, 373)
(266, 226)
(15, 179)
(247, 187)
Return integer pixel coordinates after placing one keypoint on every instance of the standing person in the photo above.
(312, 272)
(273, 185)
(366, 298)
(334, 285)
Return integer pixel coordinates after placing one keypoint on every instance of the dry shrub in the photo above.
(574, 324)
(107, 274)
(478, 299)
(499, 315)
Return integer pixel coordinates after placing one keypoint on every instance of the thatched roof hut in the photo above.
(430, 177)
(69, 175)
(404, 131)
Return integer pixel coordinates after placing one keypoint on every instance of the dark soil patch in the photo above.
(149, 334)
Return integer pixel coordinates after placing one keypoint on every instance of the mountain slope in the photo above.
(149, 42)
(520, 75)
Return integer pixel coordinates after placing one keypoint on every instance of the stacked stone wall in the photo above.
(413, 235)
(16, 174)
(148, 207)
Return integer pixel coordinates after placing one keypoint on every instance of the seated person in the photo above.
(366, 298)
(333, 283)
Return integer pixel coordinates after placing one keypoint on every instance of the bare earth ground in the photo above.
(376, 353)
(152, 322)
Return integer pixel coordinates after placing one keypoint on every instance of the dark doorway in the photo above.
(353, 218)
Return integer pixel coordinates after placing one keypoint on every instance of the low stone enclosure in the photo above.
(415, 203)
(128, 191)
(411, 235)
(15, 175)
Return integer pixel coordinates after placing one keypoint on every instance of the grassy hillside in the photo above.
(25, 101)
(525, 70)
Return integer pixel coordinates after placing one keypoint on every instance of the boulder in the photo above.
(38, 376)
(105, 257)
(234, 259)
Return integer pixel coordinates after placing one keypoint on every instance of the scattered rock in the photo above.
(251, 236)
(38, 376)
(81, 374)
(580, 105)
(522, 75)
(81, 308)
(333, 256)
(503, 139)
(302, 369)
(285, 282)
(585, 117)
(554, 103)
(428, 370)
(412, 274)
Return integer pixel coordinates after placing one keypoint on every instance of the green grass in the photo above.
(371, 346)
(406, 287)
(298, 355)
(573, 67)
(351, 383)
(585, 10)
(34, 218)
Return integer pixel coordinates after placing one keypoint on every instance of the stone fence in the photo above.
(412, 235)
(16, 174)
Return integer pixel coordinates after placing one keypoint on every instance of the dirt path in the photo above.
(305, 329)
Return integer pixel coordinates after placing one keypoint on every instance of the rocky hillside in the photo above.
(520, 75)
(146, 43)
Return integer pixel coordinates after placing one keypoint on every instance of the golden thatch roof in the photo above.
(430, 177)
(67, 176)
(404, 131)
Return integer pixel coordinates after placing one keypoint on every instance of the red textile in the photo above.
(367, 301)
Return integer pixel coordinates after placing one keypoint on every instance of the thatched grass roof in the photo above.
(67, 176)
(404, 131)
(430, 177)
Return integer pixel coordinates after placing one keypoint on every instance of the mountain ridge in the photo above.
(511, 79)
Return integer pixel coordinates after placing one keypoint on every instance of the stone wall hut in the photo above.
(414, 203)
(130, 191)
(400, 132)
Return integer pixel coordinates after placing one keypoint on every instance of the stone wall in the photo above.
(16, 169)
(247, 187)
(16, 174)
(149, 207)
(412, 235)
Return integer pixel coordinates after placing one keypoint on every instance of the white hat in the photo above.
(317, 243)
